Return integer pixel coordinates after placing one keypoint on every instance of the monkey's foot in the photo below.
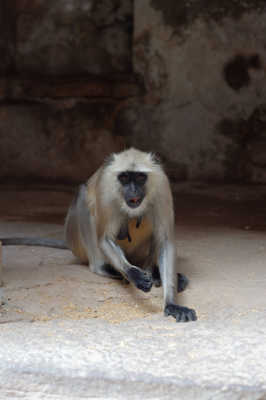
(156, 278)
(110, 272)
(182, 282)
(181, 314)
(140, 279)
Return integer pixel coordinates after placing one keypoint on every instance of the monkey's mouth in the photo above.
(134, 202)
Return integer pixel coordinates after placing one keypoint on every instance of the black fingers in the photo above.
(182, 282)
(181, 314)
(141, 280)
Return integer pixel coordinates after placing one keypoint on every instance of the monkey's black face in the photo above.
(133, 187)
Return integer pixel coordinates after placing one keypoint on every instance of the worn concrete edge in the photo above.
(29, 382)
(29, 378)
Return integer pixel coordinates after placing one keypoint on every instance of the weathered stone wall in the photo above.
(82, 78)
(65, 70)
(203, 64)
(65, 37)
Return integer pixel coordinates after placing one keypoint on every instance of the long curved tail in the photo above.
(30, 241)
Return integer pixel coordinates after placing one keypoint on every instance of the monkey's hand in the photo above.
(181, 314)
(140, 279)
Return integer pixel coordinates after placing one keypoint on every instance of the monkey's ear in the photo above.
(108, 160)
(156, 159)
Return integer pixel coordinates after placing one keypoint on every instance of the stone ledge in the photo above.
(24, 88)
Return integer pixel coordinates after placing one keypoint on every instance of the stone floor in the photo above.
(69, 334)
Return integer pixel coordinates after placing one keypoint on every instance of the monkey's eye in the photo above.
(124, 178)
(141, 178)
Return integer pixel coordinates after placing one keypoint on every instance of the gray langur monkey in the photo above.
(121, 223)
(123, 218)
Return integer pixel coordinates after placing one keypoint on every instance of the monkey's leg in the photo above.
(150, 264)
(115, 255)
(169, 281)
(81, 236)
(97, 260)
(156, 278)
(182, 280)
(72, 230)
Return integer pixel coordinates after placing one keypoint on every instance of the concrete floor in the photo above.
(69, 334)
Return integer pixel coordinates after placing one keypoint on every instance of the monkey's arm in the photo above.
(117, 258)
(28, 241)
(169, 280)
(163, 219)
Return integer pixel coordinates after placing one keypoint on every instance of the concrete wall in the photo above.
(82, 78)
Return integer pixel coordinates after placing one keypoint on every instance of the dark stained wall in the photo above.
(82, 78)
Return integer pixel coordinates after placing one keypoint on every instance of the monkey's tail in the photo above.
(43, 242)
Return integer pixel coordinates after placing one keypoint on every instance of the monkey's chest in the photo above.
(134, 234)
